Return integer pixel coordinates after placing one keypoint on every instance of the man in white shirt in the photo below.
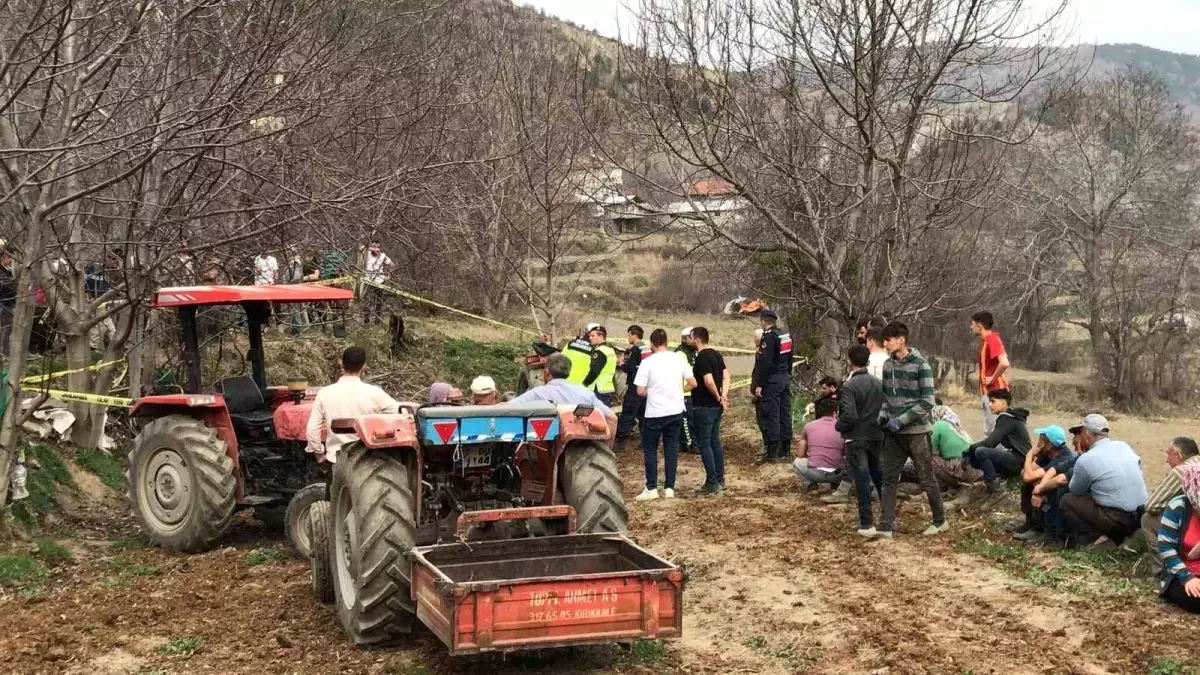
(661, 378)
(349, 397)
(879, 355)
(376, 264)
(266, 270)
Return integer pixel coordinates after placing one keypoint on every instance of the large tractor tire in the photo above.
(374, 526)
(317, 527)
(180, 484)
(295, 519)
(592, 485)
(525, 381)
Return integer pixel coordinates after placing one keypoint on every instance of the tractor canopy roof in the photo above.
(184, 296)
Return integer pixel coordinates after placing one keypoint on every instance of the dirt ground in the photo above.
(776, 583)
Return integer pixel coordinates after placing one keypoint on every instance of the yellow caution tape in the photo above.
(332, 282)
(38, 379)
(114, 401)
(741, 383)
(417, 298)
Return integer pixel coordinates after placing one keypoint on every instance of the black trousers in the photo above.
(777, 418)
(633, 409)
(1179, 597)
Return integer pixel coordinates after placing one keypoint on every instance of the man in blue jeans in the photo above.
(661, 378)
(709, 401)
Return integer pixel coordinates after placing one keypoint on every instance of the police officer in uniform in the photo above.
(586, 360)
(772, 382)
(633, 406)
(605, 358)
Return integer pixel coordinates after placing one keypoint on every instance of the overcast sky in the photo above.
(1173, 25)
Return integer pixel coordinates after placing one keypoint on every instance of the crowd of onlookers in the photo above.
(884, 431)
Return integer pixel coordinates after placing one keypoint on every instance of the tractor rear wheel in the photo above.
(317, 526)
(374, 526)
(180, 484)
(295, 519)
(523, 381)
(592, 485)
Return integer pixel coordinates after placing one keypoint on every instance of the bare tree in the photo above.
(1111, 186)
(866, 137)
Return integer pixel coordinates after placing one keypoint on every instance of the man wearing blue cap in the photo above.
(1050, 455)
(773, 386)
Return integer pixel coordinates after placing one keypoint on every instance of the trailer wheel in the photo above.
(295, 519)
(592, 485)
(317, 526)
(373, 528)
(180, 484)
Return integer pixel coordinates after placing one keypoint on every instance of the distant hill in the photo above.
(1181, 72)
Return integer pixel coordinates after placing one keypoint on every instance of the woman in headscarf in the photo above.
(439, 394)
(1179, 545)
(949, 441)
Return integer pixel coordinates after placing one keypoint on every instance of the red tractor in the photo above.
(202, 455)
(498, 527)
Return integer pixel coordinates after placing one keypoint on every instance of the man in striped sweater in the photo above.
(908, 399)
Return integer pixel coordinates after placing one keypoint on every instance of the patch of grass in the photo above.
(647, 651)
(1005, 554)
(796, 661)
(43, 484)
(463, 360)
(146, 570)
(114, 582)
(260, 556)
(1169, 666)
(114, 564)
(52, 552)
(17, 568)
(108, 468)
(128, 544)
(181, 646)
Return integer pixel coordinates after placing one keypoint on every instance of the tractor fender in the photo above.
(208, 407)
(592, 427)
(380, 431)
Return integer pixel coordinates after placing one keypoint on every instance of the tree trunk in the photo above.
(18, 346)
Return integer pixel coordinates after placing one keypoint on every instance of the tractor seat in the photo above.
(247, 408)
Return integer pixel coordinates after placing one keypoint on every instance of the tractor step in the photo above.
(257, 500)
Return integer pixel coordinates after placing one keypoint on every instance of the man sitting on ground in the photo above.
(820, 454)
(483, 391)
(558, 391)
(1181, 452)
(1003, 451)
(1050, 456)
(1107, 492)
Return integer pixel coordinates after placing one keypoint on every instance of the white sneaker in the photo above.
(669, 493)
(647, 495)
(869, 533)
(936, 529)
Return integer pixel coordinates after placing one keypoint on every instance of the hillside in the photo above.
(1181, 72)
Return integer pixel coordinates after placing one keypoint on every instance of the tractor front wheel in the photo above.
(180, 484)
(374, 526)
(322, 552)
(592, 485)
(295, 519)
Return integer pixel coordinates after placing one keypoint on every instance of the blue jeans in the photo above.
(667, 428)
(994, 461)
(708, 438)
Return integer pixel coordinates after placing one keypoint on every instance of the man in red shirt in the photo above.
(993, 363)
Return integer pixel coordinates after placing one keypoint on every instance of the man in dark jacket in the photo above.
(773, 386)
(858, 422)
(1003, 451)
(633, 406)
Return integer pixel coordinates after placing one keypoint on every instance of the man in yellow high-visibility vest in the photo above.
(605, 383)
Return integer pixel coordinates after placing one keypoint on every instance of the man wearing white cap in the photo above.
(687, 349)
(483, 391)
(1107, 491)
